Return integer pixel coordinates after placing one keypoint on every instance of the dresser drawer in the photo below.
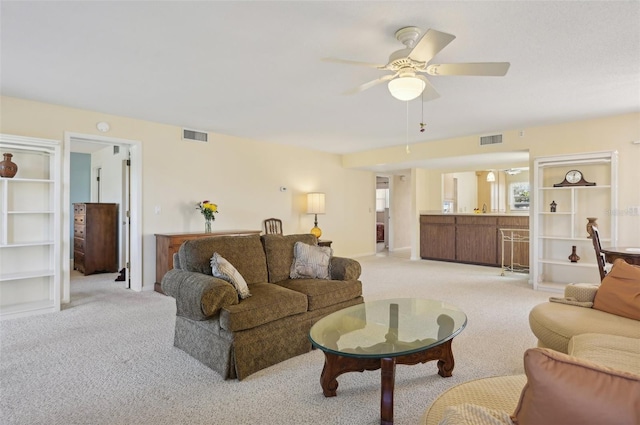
(79, 208)
(79, 219)
(78, 261)
(78, 231)
(78, 244)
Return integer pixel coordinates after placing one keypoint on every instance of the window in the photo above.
(382, 199)
(519, 196)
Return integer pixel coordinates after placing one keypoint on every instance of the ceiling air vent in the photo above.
(198, 136)
(490, 140)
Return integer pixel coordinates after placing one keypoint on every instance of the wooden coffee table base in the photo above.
(335, 365)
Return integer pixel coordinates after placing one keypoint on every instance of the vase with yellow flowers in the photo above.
(208, 210)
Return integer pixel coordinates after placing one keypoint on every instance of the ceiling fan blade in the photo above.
(491, 69)
(349, 62)
(429, 92)
(371, 84)
(430, 44)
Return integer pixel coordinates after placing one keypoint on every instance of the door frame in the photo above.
(135, 152)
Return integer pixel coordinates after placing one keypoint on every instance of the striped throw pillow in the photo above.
(222, 269)
(310, 261)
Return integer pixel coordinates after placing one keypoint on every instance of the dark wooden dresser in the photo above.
(95, 238)
(168, 244)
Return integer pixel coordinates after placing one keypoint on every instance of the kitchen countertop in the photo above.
(503, 214)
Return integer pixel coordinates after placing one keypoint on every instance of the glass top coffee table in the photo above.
(380, 334)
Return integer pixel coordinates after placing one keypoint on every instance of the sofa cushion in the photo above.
(554, 324)
(310, 261)
(619, 292)
(268, 303)
(564, 390)
(322, 293)
(244, 252)
(279, 253)
(614, 351)
(224, 270)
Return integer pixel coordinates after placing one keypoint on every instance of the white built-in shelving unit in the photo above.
(30, 228)
(554, 233)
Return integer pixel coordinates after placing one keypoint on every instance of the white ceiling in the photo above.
(254, 69)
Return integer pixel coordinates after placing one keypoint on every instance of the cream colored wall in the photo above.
(242, 176)
(401, 215)
(611, 133)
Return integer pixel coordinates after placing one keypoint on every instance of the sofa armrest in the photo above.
(344, 268)
(581, 292)
(198, 296)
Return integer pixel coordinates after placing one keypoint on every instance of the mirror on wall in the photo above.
(491, 190)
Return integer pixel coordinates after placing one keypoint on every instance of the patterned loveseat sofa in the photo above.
(237, 335)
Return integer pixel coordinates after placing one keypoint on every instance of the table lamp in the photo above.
(315, 205)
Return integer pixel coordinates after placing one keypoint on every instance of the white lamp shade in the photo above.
(315, 203)
(491, 177)
(406, 88)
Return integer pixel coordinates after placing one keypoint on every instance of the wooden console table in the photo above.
(168, 244)
(629, 254)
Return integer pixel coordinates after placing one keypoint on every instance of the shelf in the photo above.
(26, 309)
(26, 275)
(566, 263)
(21, 244)
(602, 186)
(30, 228)
(555, 232)
(23, 180)
(31, 212)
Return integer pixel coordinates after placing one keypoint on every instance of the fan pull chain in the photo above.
(407, 132)
(422, 123)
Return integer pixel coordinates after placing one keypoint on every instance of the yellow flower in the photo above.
(207, 209)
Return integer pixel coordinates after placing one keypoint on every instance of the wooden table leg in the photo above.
(388, 379)
(335, 365)
(446, 362)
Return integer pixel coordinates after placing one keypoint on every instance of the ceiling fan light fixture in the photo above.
(406, 88)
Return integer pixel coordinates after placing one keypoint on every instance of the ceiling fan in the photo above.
(405, 82)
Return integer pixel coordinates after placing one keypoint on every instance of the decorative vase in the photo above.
(207, 225)
(574, 258)
(8, 168)
(590, 223)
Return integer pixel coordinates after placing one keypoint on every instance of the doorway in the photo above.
(382, 214)
(125, 158)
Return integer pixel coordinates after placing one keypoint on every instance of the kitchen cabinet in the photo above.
(469, 238)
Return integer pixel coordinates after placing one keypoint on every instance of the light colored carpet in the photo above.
(108, 357)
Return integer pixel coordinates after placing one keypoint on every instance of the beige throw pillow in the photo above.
(567, 390)
(619, 292)
(310, 261)
(224, 270)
